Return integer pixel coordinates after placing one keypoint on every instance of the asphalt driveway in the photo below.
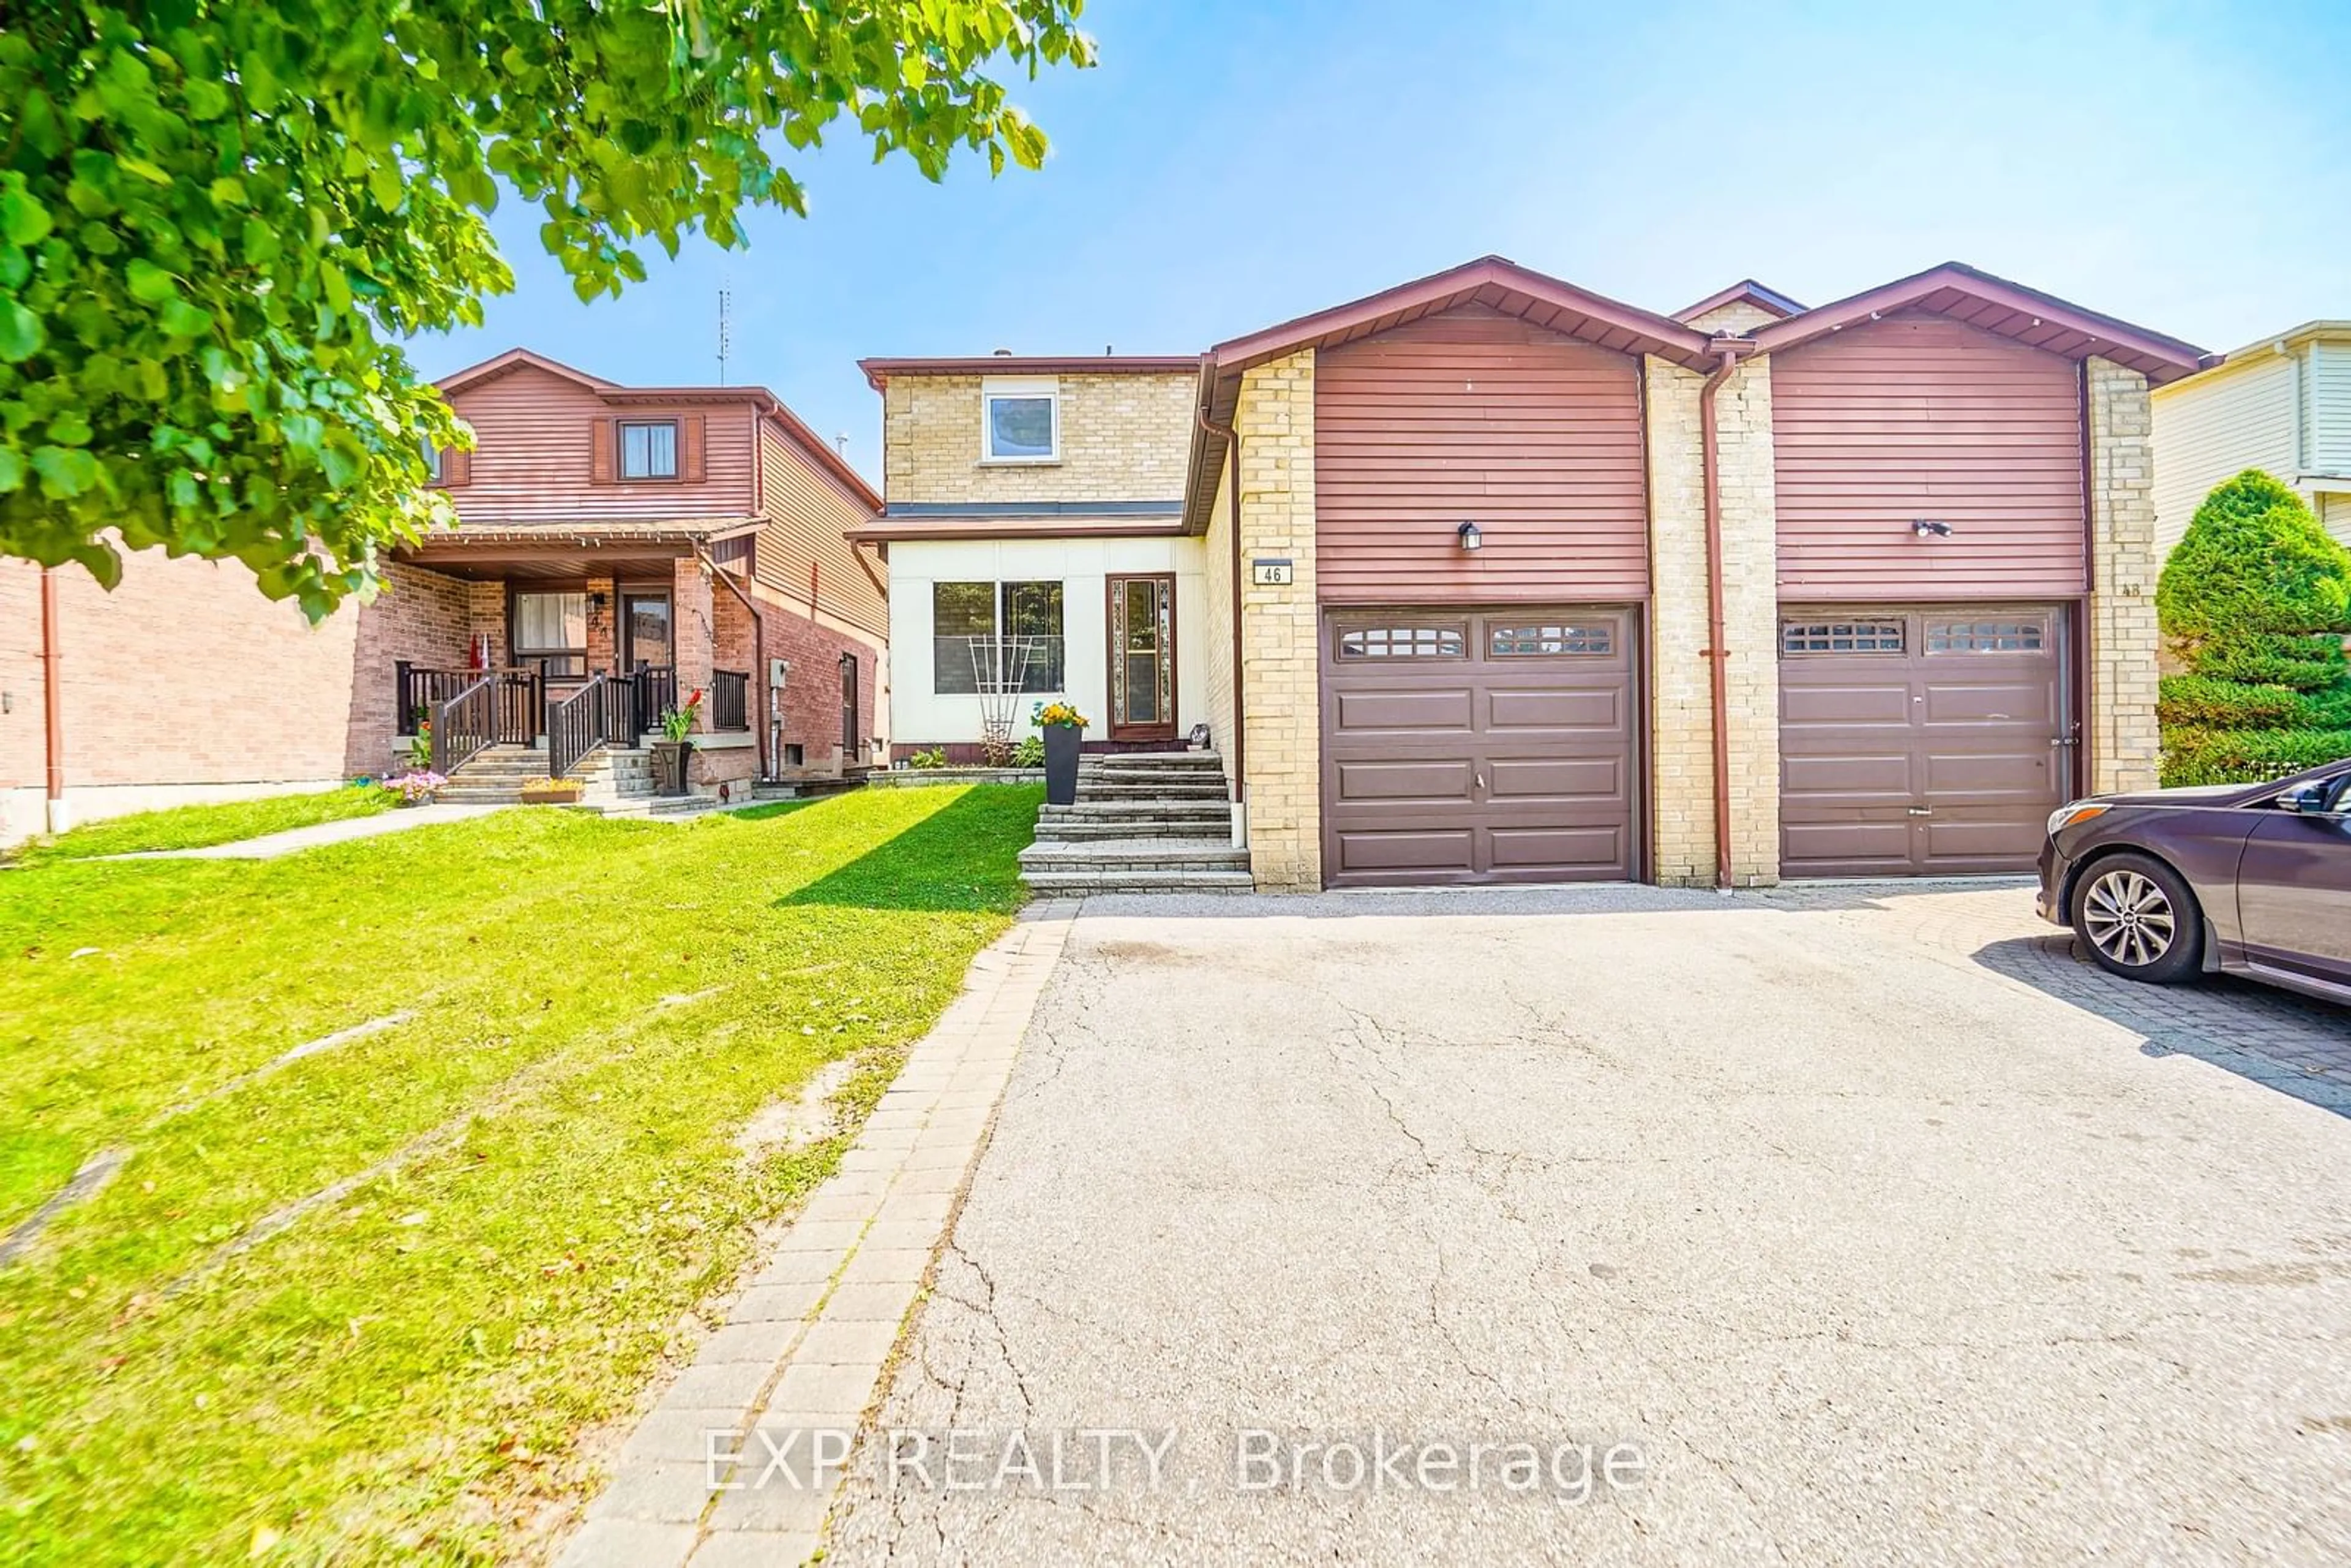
(1817, 1226)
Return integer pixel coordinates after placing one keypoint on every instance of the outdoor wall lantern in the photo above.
(596, 602)
(1929, 528)
(1469, 537)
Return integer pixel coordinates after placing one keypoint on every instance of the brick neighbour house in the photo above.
(664, 539)
(251, 699)
(1501, 550)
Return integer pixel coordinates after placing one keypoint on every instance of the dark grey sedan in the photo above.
(2249, 878)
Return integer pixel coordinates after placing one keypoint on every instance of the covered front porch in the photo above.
(571, 641)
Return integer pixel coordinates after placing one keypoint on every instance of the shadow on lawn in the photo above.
(963, 856)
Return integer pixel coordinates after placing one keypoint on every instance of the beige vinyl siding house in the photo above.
(2282, 405)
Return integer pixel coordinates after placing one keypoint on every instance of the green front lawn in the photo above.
(359, 1306)
(195, 827)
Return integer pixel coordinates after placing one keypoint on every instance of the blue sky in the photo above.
(1227, 165)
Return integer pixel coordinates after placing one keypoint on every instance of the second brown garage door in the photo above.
(1477, 746)
(1920, 741)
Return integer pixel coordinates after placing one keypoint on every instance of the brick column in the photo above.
(695, 627)
(2124, 745)
(603, 627)
(1280, 628)
(1681, 698)
(485, 615)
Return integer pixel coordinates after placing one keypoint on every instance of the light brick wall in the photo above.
(1738, 315)
(1124, 438)
(2124, 743)
(1280, 627)
(1681, 701)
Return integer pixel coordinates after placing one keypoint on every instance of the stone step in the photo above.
(1078, 883)
(1141, 807)
(1169, 789)
(1133, 828)
(1133, 854)
(1154, 762)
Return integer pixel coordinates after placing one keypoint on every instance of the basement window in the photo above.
(1797, 637)
(1986, 636)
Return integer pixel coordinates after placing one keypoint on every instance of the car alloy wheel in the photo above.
(2129, 918)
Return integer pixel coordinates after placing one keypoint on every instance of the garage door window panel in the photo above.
(1800, 637)
(1986, 636)
(1436, 642)
(1549, 640)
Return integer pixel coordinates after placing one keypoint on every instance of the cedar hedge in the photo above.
(2248, 756)
(2255, 600)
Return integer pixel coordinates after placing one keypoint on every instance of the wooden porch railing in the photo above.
(518, 700)
(463, 725)
(657, 692)
(731, 699)
(599, 714)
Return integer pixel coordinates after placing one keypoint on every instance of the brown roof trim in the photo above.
(469, 535)
(1760, 296)
(1996, 305)
(885, 530)
(878, 372)
(516, 359)
(1638, 330)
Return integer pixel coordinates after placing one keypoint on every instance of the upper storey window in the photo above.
(1020, 420)
(648, 449)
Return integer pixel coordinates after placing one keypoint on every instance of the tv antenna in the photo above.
(726, 325)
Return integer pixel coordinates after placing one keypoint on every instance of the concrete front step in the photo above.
(1133, 854)
(1174, 789)
(1141, 806)
(1078, 883)
(1132, 828)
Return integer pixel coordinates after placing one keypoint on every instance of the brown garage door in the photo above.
(1920, 741)
(1477, 745)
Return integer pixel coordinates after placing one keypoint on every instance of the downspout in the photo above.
(1717, 621)
(53, 724)
(759, 652)
(1240, 730)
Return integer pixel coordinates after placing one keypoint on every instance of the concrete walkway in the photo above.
(269, 846)
(1821, 1227)
(743, 1454)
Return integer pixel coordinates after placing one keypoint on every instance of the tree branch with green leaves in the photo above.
(219, 218)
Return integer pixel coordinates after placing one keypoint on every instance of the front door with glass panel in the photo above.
(1143, 658)
(646, 632)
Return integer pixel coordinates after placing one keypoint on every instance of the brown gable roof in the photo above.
(818, 450)
(516, 359)
(2009, 309)
(1748, 291)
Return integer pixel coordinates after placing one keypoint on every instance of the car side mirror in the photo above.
(2309, 800)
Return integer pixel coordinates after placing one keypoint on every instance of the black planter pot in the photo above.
(1062, 764)
(669, 758)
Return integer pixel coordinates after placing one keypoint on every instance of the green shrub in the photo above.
(2255, 599)
(2253, 559)
(1030, 752)
(2199, 701)
(2270, 659)
(2248, 756)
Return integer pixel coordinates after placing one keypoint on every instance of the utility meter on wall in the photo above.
(776, 670)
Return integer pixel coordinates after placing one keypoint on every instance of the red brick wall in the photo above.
(422, 617)
(812, 705)
(183, 674)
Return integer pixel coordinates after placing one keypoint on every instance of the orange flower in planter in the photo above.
(1058, 713)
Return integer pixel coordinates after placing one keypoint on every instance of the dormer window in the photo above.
(648, 449)
(1020, 420)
